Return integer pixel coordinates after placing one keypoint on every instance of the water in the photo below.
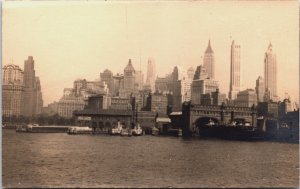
(61, 160)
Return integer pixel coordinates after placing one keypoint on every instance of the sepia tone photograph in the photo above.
(150, 94)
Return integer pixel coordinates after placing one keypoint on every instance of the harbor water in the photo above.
(61, 160)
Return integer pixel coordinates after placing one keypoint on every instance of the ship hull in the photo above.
(242, 133)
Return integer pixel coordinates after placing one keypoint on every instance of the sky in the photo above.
(80, 39)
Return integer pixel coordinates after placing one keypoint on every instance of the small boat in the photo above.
(137, 131)
(126, 132)
(21, 129)
(155, 131)
(210, 123)
(117, 130)
(180, 132)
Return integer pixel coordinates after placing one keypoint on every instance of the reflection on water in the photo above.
(61, 160)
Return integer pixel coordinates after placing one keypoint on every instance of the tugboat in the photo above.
(137, 131)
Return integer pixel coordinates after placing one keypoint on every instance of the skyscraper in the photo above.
(139, 80)
(151, 74)
(234, 71)
(129, 78)
(32, 89)
(271, 73)
(190, 73)
(260, 89)
(107, 77)
(209, 61)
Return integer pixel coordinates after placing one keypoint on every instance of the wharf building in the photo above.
(21, 90)
(235, 70)
(103, 120)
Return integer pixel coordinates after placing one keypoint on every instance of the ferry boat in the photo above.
(26, 128)
(79, 130)
(137, 131)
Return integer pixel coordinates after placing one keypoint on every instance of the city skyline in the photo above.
(90, 50)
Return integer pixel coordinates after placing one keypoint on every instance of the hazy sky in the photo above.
(81, 39)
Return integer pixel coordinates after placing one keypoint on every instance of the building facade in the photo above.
(120, 103)
(200, 87)
(246, 98)
(12, 90)
(68, 104)
(159, 103)
(235, 71)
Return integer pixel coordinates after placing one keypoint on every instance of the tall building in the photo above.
(285, 106)
(79, 84)
(29, 73)
(260, 89)
(234, 71)
(151, 74)
(163, 84)
(200, 73)
(139, 80)
(107, 77)
(12, 90)
(69, 103)
(181, 93)
(202, 86)
(118, 83)
(32, 90)
(271, 73)
(159, 103)
(39, 96)
(209, 61)
(190, 73)
(129, 78)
